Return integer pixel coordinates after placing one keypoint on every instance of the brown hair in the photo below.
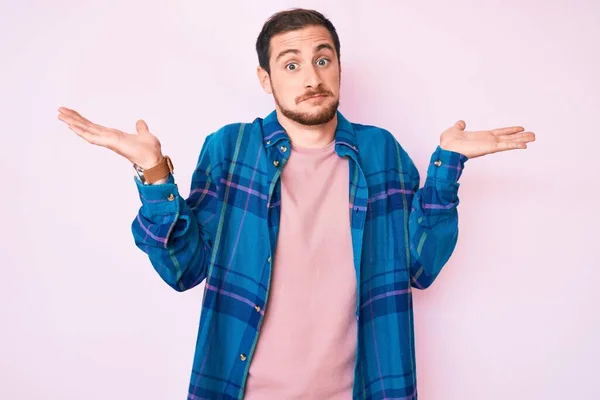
(286, 21)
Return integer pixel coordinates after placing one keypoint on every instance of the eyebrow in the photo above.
(296, 51)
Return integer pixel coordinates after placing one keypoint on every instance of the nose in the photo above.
(312, 79)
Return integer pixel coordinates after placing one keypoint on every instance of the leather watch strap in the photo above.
(159, 171)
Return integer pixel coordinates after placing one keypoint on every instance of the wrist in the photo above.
(157, 174)
(151, 162)
(446, 164)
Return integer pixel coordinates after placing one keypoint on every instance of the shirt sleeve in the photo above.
(172, 230)
(433, 221)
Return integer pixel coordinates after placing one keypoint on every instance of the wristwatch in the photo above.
(155, 173)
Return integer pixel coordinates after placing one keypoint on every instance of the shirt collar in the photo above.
(273, 132)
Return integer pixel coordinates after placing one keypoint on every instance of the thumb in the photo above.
(460, 125)
(142, 128)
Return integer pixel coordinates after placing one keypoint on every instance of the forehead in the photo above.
(302, 39)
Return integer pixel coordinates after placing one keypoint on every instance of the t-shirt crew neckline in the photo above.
(313, 150)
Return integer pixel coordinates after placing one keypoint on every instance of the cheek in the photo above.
(335, 80)
(286, 90)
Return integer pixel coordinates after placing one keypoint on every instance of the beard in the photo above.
(319, 117)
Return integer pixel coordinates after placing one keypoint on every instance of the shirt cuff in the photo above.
(446, 165)
(159, 199)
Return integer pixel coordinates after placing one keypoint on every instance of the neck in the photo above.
(308, 136)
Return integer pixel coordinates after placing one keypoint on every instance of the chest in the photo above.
(373, 202)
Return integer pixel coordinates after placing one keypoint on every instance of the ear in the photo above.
(265, 82)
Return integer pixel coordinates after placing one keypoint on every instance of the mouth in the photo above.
(315, 97)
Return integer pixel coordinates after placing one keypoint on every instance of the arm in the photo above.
(433, 221)
(174, 232)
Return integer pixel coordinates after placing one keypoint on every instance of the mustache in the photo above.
(320, 92)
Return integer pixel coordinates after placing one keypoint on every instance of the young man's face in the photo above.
(305, 75)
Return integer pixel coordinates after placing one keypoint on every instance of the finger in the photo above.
(84, 124)
(460, 125)
(507, 131)
(64, 110)
(503, 146)
(73, 121)
(142, 127)
(88, 136)
(72, 113)
(523, 137)
(93, 133)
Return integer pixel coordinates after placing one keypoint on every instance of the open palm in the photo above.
(478, 143)
(143, 148)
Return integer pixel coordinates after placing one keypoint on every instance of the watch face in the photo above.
(139, 171)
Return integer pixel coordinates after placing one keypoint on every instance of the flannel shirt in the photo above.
(225, 233)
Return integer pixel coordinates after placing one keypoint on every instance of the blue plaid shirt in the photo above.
(225, 232)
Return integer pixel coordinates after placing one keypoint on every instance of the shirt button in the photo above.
(438, 163)
(257, 308)
(171, 197)
(243, 357)
(283, 149)
(268, 142)
(269, 259)
(276, 163)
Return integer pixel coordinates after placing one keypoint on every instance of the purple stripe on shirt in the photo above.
(244, 188)
(207, 219)
(438, 206)
(347, 144)
(457, 168)
(233, 295)
(274, 133)
(147, 200)
(384, 295)
(204, 191)
(153, 236)
(389, 192)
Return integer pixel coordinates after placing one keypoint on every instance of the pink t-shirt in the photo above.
(306, 348)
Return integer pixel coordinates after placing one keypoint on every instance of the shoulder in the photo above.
(380, 147)
(373, 135)
(375, 138)
(234, 136)
(233, 131)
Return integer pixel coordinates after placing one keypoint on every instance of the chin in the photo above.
(312, 114)
(308, 108)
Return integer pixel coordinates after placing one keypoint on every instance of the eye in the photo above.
(291, 66)
(321, 62)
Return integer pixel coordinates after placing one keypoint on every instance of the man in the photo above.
(309, 230)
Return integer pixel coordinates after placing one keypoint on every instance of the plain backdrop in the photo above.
(513, 315)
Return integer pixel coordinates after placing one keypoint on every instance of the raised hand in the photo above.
(143, 148)
(478, 143)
